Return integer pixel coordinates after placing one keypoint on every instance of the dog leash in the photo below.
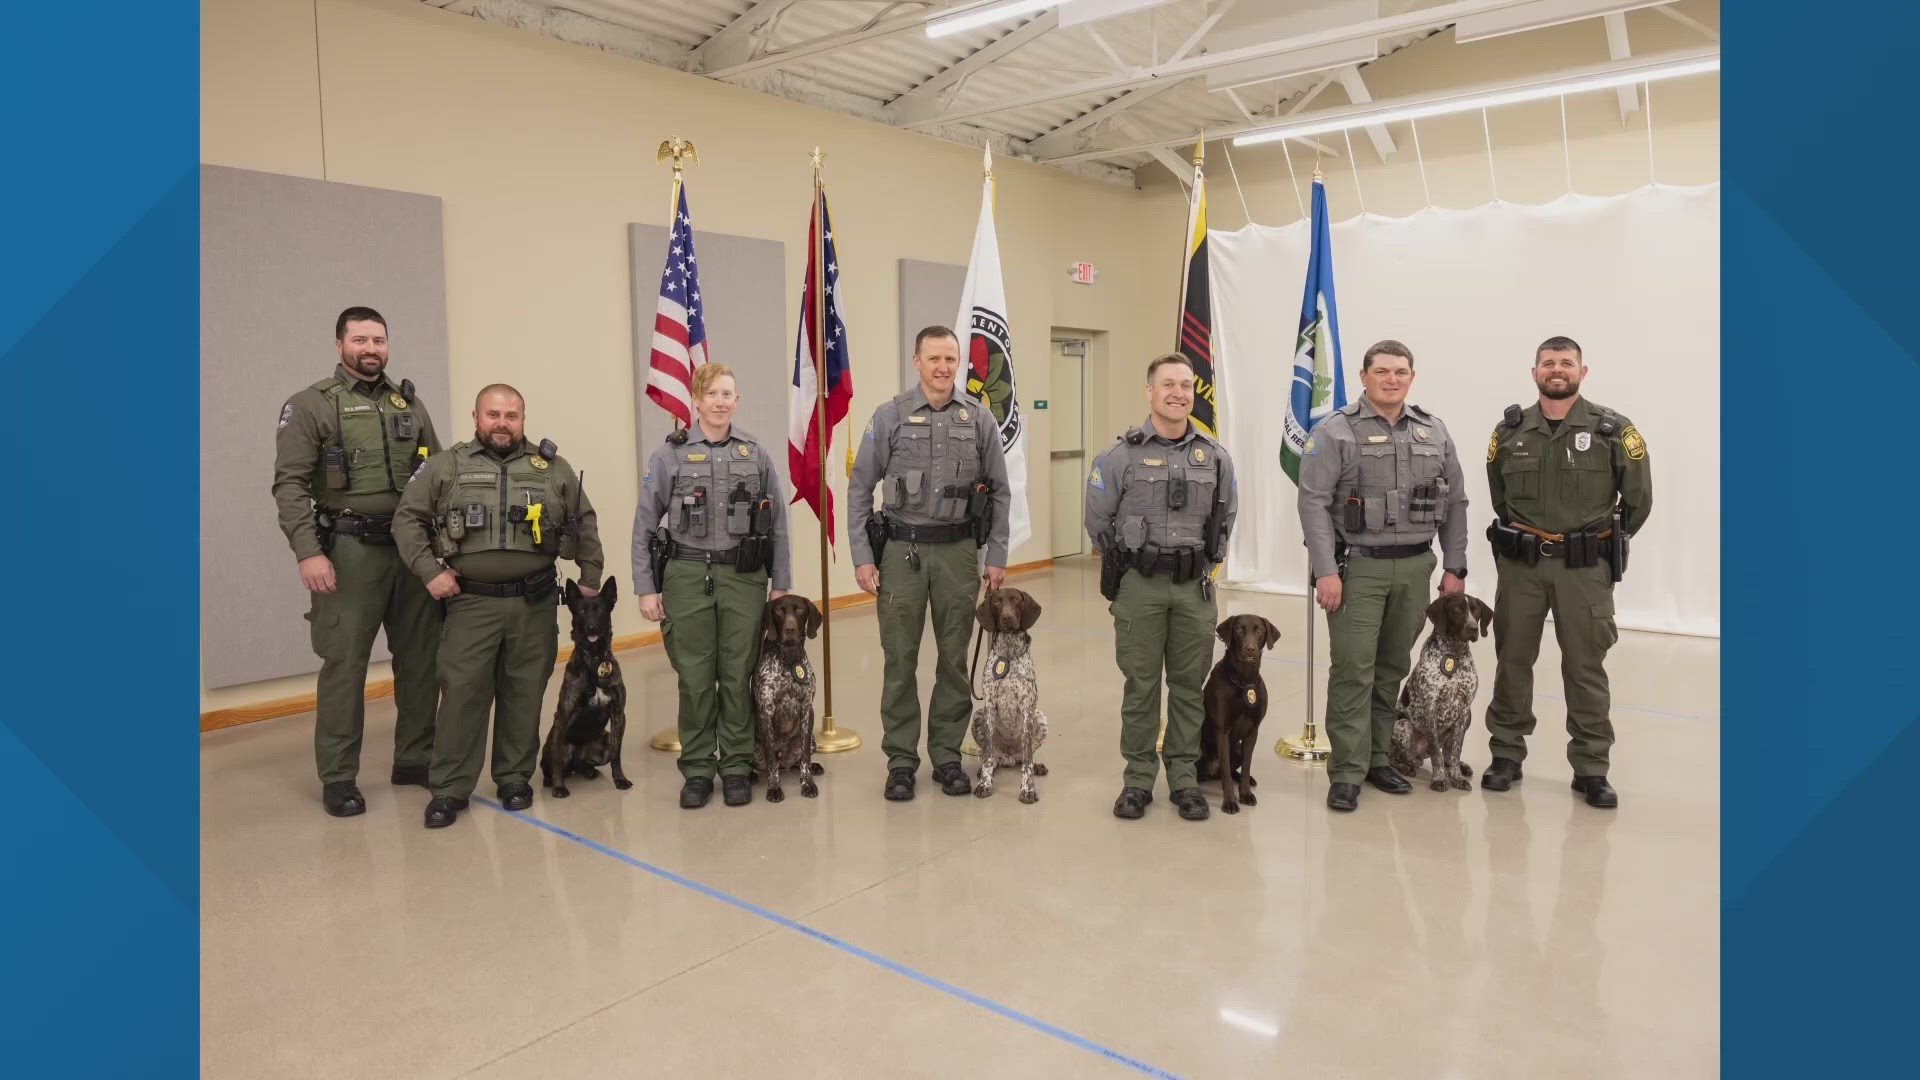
(973, 677)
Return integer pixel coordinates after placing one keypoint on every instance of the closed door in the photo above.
(1068, 458)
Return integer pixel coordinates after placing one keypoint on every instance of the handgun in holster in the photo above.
(1618, 555)
(980, 510)
(323, 529)
(877, 535)
(1113, 566)
(1340, 548)
(659, 550)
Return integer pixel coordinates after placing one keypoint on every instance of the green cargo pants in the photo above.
(948, 581)
(496, 655)
(1159, 626)
(372, 589)
(1383, 604)
(711, 642)
(1582, 606)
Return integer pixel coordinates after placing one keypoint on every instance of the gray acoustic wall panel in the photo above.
(929, 296)
(280, 257)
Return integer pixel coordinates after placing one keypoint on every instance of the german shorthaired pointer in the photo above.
(1436, 703)
(783, 686)
(591, 720)
(1236, 700)
(1009, 726)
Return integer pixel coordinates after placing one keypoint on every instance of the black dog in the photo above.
(783, 686)
(1236, 698)
(591, 720)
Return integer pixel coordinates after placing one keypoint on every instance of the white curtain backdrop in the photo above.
(1634, 278)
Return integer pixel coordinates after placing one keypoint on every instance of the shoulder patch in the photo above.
(1307, 451)
(1493, 445)
(1094, 479)
(870, 435)
(286, 414)
(1636, 446)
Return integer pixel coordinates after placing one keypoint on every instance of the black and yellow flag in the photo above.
(1195, 338)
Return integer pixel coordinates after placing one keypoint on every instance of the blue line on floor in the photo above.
(848, 947)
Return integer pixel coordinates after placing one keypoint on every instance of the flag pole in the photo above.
(667, 739)
(1186, 252)
(1309, 746)
(830, 740)
(968, 747)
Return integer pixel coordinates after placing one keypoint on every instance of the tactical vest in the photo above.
(1399, 483)
(380, 437)
(491, 504)
(934, 458)
(715, 489)
(1166, 491)
(1551, 481)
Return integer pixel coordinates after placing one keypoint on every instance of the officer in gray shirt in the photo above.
(936, 455)
(1378, 480)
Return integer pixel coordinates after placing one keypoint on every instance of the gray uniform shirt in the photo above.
(1356, 452)
(1129, 500)
(917, 454)
(676, 472)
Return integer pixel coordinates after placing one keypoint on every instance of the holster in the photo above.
(1617, 553)
(1511, 543)
(877, 535)
(1113, 567)
(323, 528)
(980, 511)
(659, 550)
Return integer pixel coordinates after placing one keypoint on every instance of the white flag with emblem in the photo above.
(986, 346)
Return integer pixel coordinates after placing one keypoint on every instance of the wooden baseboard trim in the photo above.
(217, 719)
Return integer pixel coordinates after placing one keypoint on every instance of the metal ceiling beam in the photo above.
(1424, 19)
(735, 42)
(1062, 138)
(923, 101)
(1690, 23)
(847, 39)
(1618, 48)
(1357, 92)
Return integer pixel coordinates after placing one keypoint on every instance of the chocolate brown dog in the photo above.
(783, 686)
(591, 720)
(1236, 698)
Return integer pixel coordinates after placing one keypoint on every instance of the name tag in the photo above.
(916, 419)
(1152, 461)
(357, 408)
(696, 457)
(483, 476)
(1377, 438)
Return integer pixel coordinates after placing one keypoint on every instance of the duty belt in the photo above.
(930, 534)
(364, 526)
(1389, 551)
(533, 587)
(689, 554)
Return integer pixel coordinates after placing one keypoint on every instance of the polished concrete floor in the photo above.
(1464, 934)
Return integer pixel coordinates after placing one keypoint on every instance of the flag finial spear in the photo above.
(986, 159)
(1200, 148)
(817, 159)
(677, 148)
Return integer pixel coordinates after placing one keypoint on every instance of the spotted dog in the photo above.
(591, 720)
(1009, 725)
(783, 685)
(1236, 701)
(1436, 702)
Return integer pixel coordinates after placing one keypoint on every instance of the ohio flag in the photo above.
(1319, 384)
(806, 442)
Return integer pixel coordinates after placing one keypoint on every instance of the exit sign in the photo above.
(1084, 273)
(1039, 403)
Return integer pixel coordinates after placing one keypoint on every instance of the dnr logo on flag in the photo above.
(990, 360)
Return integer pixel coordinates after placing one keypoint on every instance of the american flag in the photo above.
(805, 461)
(679, 331)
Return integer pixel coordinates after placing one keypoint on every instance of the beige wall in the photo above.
(543, 151)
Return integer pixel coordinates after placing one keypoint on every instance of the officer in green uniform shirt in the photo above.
(345, 450)
(1571, 484)
(482, 525)
(1160, 504)
(724, 510)
(936, 455)
(1378, 480)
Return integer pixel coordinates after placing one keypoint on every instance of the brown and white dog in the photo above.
(1436, 701)
(1008, 724)
(1236, 701)
(783, 686)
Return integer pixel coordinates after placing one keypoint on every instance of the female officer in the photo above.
(713, 492)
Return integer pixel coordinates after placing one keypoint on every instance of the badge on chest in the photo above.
(999, 669)
(800, 672)
(1447, 665)
(605, 669)
(1253, 697)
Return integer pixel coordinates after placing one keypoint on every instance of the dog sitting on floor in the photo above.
(591, 720)
(1436, 702)
(1009, 725)
(783, 687)
(1236, 702)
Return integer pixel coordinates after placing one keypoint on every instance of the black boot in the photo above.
(1193, 805)
(695, 792)
(1501, 775)
(515, 795)
(899, 785)
(953, 778)
(410, 774)
(1384, 778)
(1132, 803)
(342, 798)
(443, 810)
(1599, 793)
(736, 790)
(1343, 797)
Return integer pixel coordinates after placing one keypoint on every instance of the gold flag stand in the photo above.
(677, 149)
(831, 739)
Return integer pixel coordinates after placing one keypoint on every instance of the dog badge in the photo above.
(1199, 455)
(1252, 698)
(605, 669)
(398, 401)
(999, 669)
(1583, 442)
(800, 672)
(1447, 665)
(538, 462)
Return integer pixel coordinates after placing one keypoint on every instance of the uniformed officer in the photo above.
(345, 449)
(482, 525)
(936, 454)
(725, 513)
(1377, 480)
(1571, 484)
(1160, 505)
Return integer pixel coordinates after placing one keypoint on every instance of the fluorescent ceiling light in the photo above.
(1347, 119)
(986, 14)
